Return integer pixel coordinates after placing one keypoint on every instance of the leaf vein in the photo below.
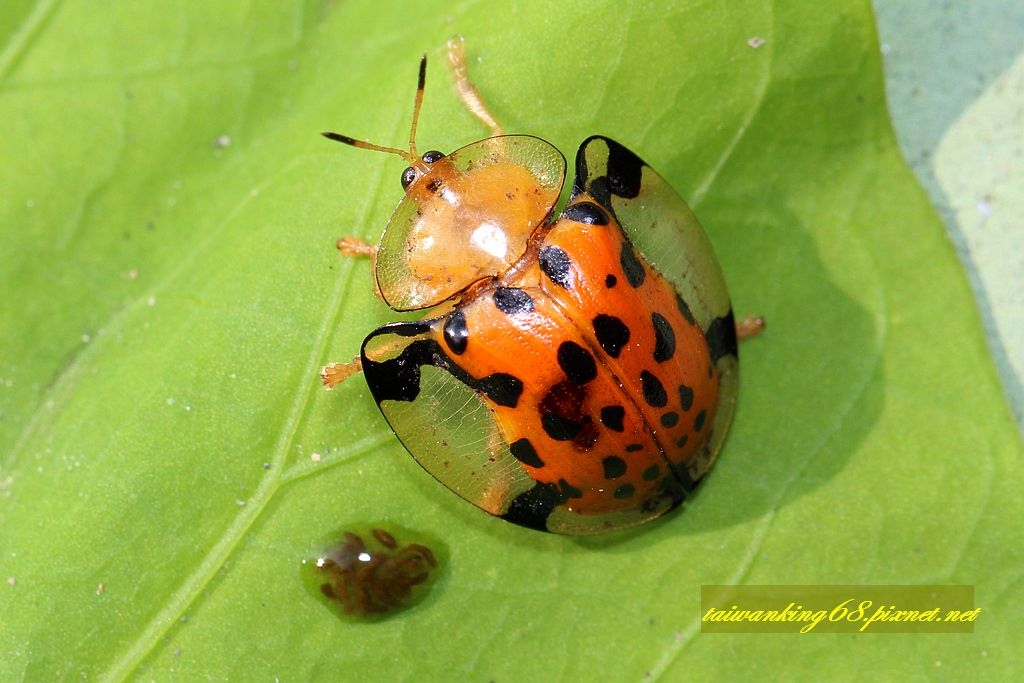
(193, 586)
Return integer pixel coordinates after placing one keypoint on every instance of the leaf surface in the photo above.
(171, 290)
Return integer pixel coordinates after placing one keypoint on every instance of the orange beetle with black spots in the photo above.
(581, 372)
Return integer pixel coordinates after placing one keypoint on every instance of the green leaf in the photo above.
(171, 288)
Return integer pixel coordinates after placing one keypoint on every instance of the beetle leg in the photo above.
(467, 91)
(353, 246)
(357, 248)
(334, 374)
(750, 326)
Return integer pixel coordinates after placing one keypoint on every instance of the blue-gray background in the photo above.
(955, 82)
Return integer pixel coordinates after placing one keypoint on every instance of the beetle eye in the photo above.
(432, 156)
(408, 175)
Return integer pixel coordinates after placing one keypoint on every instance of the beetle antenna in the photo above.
(416, 107)
(362, 144)
(411, 156)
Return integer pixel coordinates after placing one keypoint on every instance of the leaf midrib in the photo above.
(197, 581)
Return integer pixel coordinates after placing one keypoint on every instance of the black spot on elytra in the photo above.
(569, 490)
(625, 171)
(531, 508)
(631, 266)
(560, 428)
(610, 280)
(681, 442)
(512, 300)
(556, 265)
(601, 191)
(624, 491)
(670, 419)
(586, 212)
(587, 436)
(565, 399)
(563, 418)
(684, 308)
(721, 337)
(612, 334)
(634, 447)
(611, 417)
(654, 390)
(698, 422)
(664, 338)
(614, 467)
(579, 183)
(685, 397)
(502, 388)
(652, 472)
(398, 378)
(456, 333)
(525, 453)
(576, 362)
